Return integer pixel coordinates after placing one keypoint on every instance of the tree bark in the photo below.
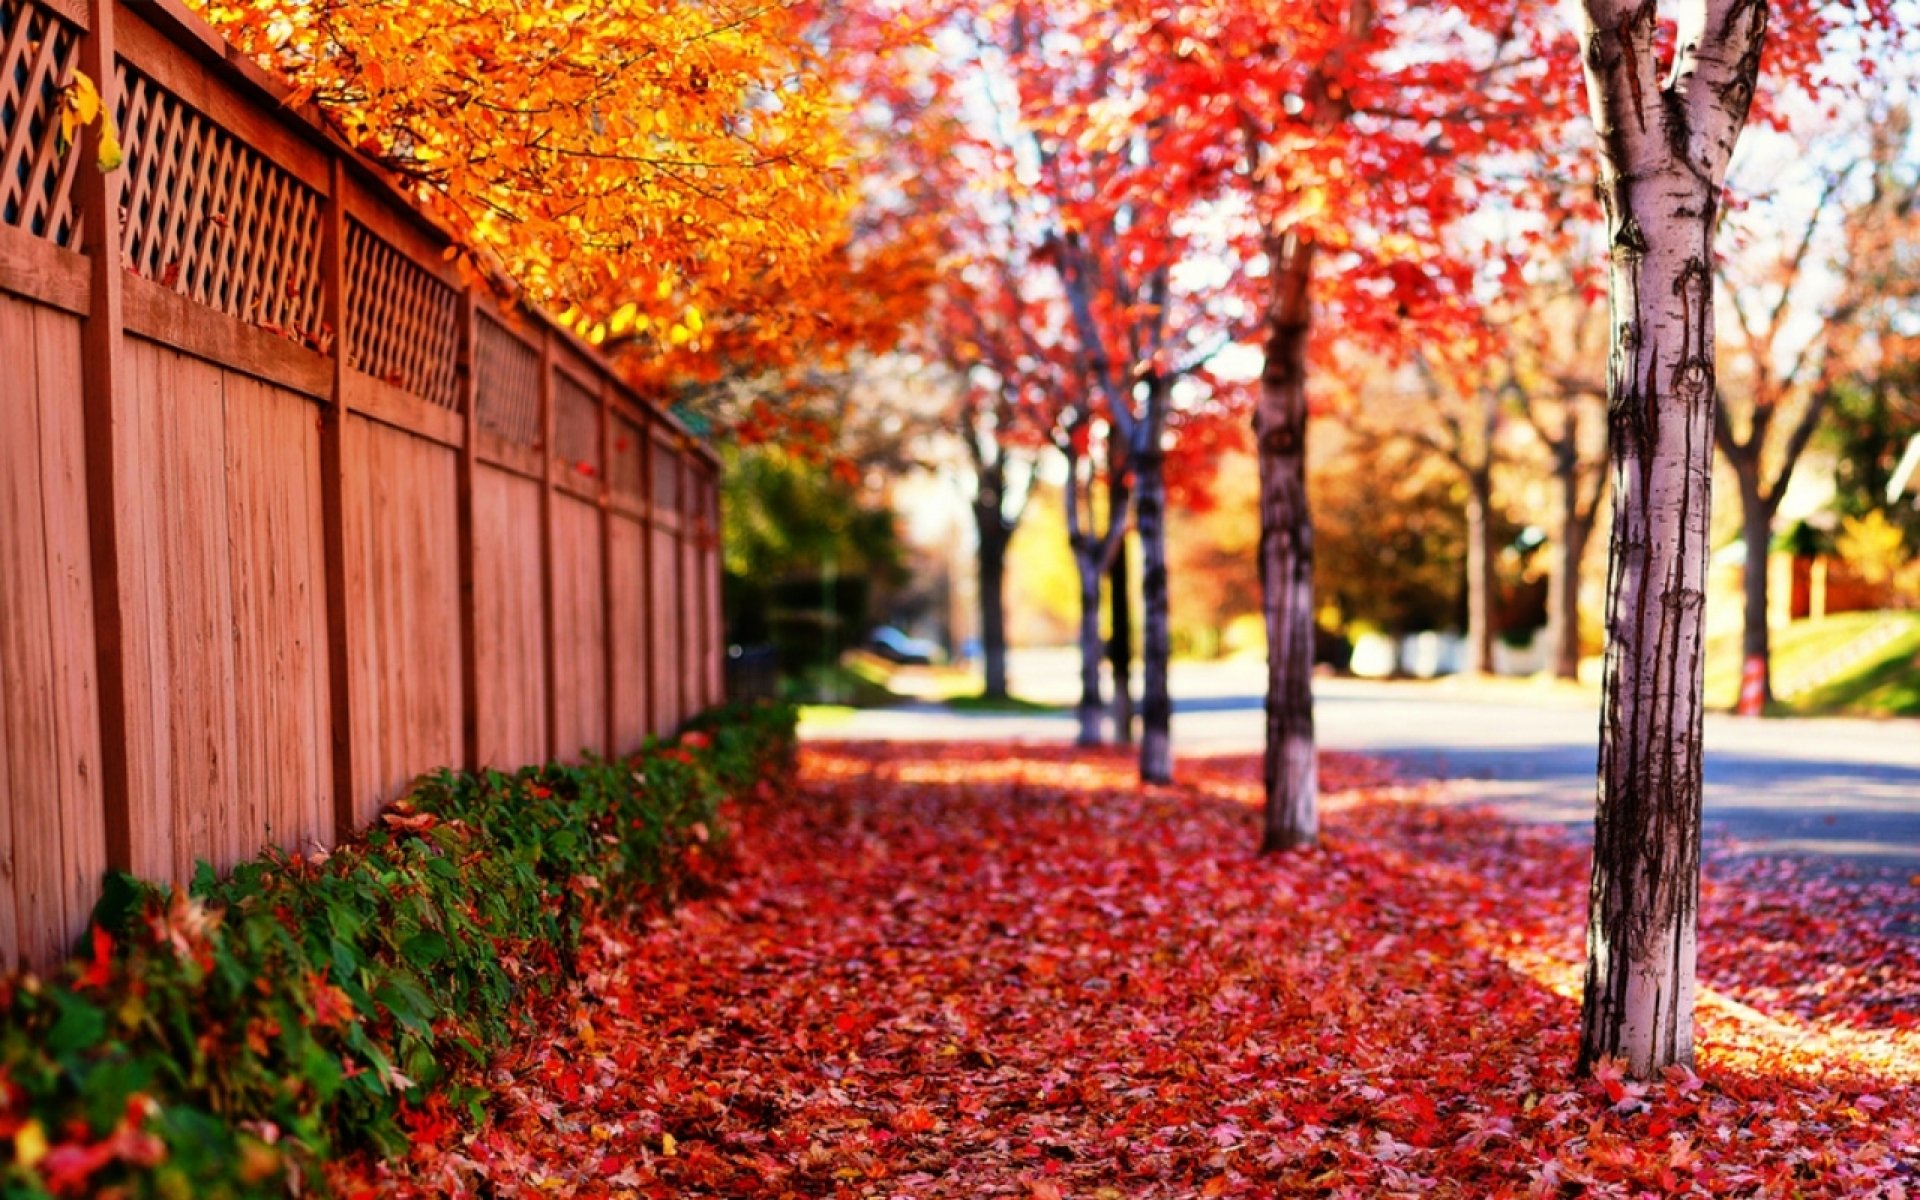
(1756, 534)
(994, 536)
(1563, 586)
(1120, 620)
(1150, 518)
(1480, 582)
(1086, 557)
(1664, 154)
(1286, 553)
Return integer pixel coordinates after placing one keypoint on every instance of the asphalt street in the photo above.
(1838, 790)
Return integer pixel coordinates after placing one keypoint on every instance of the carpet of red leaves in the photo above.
(971, 971)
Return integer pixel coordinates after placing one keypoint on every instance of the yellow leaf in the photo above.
(111, 155)
(694, 322)
(623, 318)
(81, 107)
(30, 1144)
(668, 1146)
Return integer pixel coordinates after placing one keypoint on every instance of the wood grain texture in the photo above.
(33, 268)
(77, 782)
(52, 845)
(403, 410)
(668, 682)
(628, 607)
(163, 315)
(403, 592)
(579, 633)
(284, 788)
(511, 670)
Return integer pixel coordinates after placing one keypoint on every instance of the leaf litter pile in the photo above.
(974, 971)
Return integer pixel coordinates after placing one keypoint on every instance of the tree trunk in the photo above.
(1086, 557)
(1563, 590)
(1479, 572)
(1156, 702)
(994, 537)
(1120, 621)
(1286, 554)
(1563, 586)
(1756, 532)
(1664, 155)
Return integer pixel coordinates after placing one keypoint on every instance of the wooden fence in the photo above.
(249, 588)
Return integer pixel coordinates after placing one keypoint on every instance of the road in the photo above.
(1840, 790)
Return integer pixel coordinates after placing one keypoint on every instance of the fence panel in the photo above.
(509, 636)
(403, 588)
(52, 845)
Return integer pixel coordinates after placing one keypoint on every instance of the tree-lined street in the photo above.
(1834, 788)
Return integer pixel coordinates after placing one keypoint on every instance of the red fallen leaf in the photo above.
(99, 968)
(170, 274)
(914, 1119)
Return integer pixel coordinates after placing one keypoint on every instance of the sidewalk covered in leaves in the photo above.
(1008, 971)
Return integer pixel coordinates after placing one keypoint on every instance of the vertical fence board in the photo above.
(148, 815)
(279, 693)
(511, 671)
(667, 713)
(77, 784)
(628, 604)
(578, 634)
(403, 534)
(36, 903)
(196, 603)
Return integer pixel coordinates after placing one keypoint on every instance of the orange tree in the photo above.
(675, 177)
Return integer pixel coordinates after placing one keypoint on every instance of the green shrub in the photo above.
(220, 1042)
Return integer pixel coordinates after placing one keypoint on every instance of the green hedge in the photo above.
(221, 1042)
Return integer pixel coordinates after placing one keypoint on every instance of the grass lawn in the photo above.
(1885, 683)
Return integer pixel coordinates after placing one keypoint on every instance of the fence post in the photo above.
(333, 498)
(548, 623)
(127, 745)
(463, 508)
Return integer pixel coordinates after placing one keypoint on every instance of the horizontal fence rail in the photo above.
(288, 513)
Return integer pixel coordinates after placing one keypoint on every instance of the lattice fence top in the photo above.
(403, 324)
(37, 53)
(666, 478)
(507, 384)
(211, 218)
(576, 427)
(626, 469)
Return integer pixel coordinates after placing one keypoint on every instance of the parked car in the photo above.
(896, 647)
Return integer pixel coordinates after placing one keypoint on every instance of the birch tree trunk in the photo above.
(1664, 153)
(1286, 553)
(1156, 700)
